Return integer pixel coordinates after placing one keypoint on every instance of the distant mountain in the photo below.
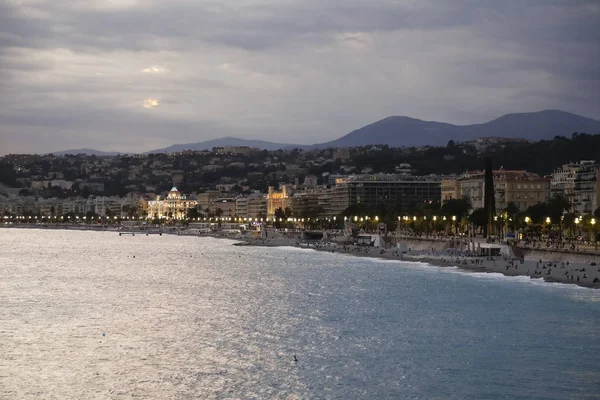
(89, 152)
(224, 142)
(405, 131)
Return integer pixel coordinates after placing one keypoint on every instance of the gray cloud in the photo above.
(76, 73)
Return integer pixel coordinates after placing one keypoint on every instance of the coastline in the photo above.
(552, 271)
(560, 272)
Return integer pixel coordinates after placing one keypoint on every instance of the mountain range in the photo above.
(89, 152)
(225, 142)
(405, 131)
(399, 131)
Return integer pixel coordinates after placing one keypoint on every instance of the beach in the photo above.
(550, 269)
(561, 267)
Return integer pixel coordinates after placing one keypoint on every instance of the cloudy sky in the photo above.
(135, 75)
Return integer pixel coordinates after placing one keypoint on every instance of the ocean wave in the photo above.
(494, 276)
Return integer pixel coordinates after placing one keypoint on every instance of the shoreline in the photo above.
(560, 272)
(551, 271)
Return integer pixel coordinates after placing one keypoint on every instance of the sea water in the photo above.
(95, 315)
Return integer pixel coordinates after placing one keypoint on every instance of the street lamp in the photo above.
(454, 224)
(593, 225)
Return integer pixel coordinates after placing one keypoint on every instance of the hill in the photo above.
(224, 142)
(405, 131)
(89, 152)
(399, 131)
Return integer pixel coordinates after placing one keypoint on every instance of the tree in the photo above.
(537, 213)
(280, 214)
(457, 207)
(511, 209)
(193, 213)
(569, 222)
(597, 213)
(479, 218)
(557, 205)
(357, 209)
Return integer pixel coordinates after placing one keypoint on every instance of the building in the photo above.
(306, 204)
(74, 206)
(50, 207)
(397, 191)
(106, 206)
(522, 188)
(450, 189)
(325, 201)
(579, 183)
(176, 205)
(257, 206)
(586, 189)
(563, 179)
(340, 199)
(241, 207)
(341, 154)
(236, 150)
(206, 200)
(310, 181)
(227, 207)
(276, 200)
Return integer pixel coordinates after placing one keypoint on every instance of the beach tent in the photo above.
(364, 240)
(489, 249)
(403, 247)
(377, 241)
(370, 240)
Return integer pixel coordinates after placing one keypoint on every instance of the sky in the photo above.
(136, 75)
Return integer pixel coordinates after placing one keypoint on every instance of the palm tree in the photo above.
(556, 207)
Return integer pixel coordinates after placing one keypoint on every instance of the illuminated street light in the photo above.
(593, 223)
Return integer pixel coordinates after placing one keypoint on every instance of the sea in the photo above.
(95, 315)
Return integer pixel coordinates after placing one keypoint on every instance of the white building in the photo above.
(176, 205)
(586, 192)
(563, 179)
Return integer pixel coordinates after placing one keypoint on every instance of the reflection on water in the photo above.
(95, 315)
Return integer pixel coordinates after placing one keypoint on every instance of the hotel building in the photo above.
(176, 205)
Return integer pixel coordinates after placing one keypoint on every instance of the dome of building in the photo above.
(174, 194)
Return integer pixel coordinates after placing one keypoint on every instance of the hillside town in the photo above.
(248, 184)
